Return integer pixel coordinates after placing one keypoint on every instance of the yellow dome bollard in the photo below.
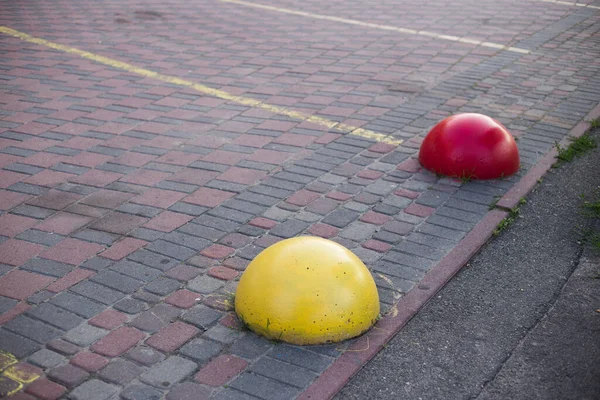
(307, 290)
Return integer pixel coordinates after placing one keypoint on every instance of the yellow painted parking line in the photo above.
(378, 26)
(247, 101)
(566, 3)
(19, 376)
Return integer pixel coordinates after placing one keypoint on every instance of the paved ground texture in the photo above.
(149, 150)
(521, 322)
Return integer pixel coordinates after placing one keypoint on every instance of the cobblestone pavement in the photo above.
(150, 149)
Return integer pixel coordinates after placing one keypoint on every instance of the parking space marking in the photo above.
(247, 101)
(566, 3)
(378, 26)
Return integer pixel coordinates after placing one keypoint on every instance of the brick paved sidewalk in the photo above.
(130, 205)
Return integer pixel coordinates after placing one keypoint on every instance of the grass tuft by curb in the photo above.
(577, 148)
(510, 218)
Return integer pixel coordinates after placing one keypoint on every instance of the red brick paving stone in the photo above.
(10, 199)
(243, 176)
(278, 126)
(370, 174)
(406, 193)
(63, 223)
(123, 248)
(376, 218)
(107, 198)
(377, 246)
(183, 273)
(323, 230)
(223, 273)
(267, 240)
(118, 341)
(302, 198)
(327, 138)
(208, 197)
(69, 375)
(193, 176)
(45, 389)
(117, 222)
(269, 156)
(158, 198)
(108, 319)
(294, 139)
(44, 160)
(88, 211)
(382, 148)
(224, 157)
(236, 263)
(8, 178)
(11, 225)
(90, 160)
(22, 396)
(338, 196)
(217, 251)
(133, 159)
(218, 302)
(168, 221)
(55, 199)
(17, 252)
(19, 309)
(178, 158)
(96, 178)
(419, 210)
(90, 362)
(264, 223)
(252, 140)
(49, 178)
(220, 370)
(172, 336)
(70, 279)
(236, 240)
(410, 165)
(183, 298)
(232, 321)
(62, 347)
(189, 391)
(72, 251)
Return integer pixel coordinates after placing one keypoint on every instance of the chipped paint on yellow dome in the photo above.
(307, 290)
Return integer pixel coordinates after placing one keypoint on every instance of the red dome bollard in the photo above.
(470, 146)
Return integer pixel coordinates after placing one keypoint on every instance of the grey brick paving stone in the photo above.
(131, 306)
(232, 394)
(6, 304)
(392, 282)
(250, 346)
(97, 263)
(202, 231)
(18, 346)
(439, 231)
(188, 391)
(100, 237)
(193, 242)
(5, 269)
(432, 241)
(116, 281)
(78, 304)
(355, 206)
(258, 198)
(458, 214)
(27, 189)
(169, 249)
(153, 260)
(136, 270)
(141, 392)
(23, 168)
(289, 228)
(41, 237)
(420, 250)
(94, 389)
(47, 267)
(146, 297)
(202, 316)
(45, 358)
(84, 335)
(157, 317)
(169, 372)
(413, 261)
(300, 357)
(138, 209)
(264, 388)
(55, 316)
(32, 329)
(120, 371)
(162, 286)
(187, 208)
(145, 355)
(341, 218)
(205, 284)
(230, 214)
(222, 334)
(358, 231)
(98, 292)
(398, 270)
(366, 256)
(201, 350)
(149, 235)
(32, 211)
(283, 372)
